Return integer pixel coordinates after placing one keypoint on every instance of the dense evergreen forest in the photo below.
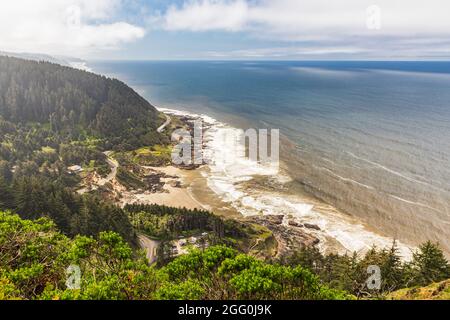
(74, 103)
(53, 117)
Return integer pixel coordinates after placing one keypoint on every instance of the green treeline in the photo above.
(75, 103)
(36, 196)
(169, 223)
(350, 272)
(54, 117)
(34, 258)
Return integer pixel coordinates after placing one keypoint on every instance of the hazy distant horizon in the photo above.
(361, 132)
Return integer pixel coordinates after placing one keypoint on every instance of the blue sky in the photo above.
(228, 29)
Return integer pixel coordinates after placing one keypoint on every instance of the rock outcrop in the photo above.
(289, 238)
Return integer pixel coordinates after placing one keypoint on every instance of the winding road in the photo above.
(150, 246)
(114, 165)
(168, 121)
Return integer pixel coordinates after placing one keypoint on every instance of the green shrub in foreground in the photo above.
(34, 257)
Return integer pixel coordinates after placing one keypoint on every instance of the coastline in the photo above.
(252, 192)
(249, 194)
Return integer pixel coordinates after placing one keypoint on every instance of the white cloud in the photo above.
(338, 22)
(207, 15)
(316, 27)
(311, 18)
(75, 27)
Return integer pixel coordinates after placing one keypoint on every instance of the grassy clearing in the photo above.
(155, 156)
(252, 238)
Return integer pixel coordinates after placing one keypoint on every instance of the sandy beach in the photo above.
(173, 195)
(243, 189)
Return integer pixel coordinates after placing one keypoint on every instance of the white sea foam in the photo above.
(207, 119)
(227, 179)
(81, 65)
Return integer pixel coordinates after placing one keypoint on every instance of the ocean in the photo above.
(365, 146)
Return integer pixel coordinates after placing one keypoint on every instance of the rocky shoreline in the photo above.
(289, 237)
(289, 234)
(169, 185)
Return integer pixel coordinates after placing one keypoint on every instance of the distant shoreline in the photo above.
(328, 242)
(339, 233)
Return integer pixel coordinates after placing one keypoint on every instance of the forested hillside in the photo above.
(74, 102)
(53, 117)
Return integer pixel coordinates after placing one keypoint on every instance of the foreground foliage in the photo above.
(435, 291)
(34, 258)
(53, 118)
(349, 272)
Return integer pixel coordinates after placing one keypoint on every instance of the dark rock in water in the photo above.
(153, 182)
(275, 219)
(295, 224)
(312, 226)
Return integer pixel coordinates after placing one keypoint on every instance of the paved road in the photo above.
(114, 165)
(150, 246)
(161, 129)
